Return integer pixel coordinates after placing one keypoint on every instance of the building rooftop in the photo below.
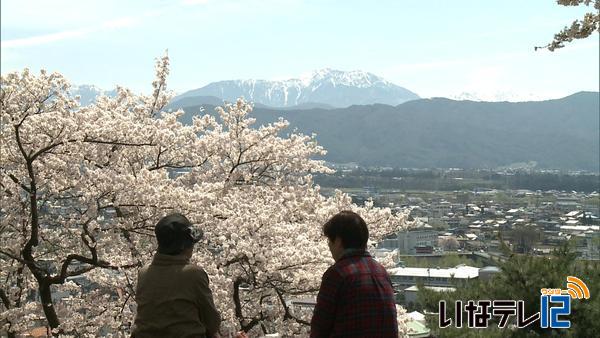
(459, 271)
(417, 329)
(416, 315)
(471, 236)
(433, 288)
(490, 268)
(580, 227)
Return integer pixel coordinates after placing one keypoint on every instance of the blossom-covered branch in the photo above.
(579, 29)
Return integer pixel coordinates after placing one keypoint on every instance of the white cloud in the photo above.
(419, 66)
(69, 34)
(8, 60)
(121, 23)
(486, 79)
(56, 15)
(43, 39)
(195, 2)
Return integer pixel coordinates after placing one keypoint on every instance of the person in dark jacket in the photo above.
(356, 298)
(173, 296)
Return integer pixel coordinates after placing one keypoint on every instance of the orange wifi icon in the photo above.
(577, 288)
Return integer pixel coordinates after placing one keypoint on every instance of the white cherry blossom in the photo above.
(82, 187)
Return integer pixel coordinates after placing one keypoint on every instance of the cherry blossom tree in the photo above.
(579, 29)
(82, 187)
(449, 243)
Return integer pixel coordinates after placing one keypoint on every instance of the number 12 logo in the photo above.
(549, 315)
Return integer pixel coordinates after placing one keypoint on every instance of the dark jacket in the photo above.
(174, 300)
(356, 299)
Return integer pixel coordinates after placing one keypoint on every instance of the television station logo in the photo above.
(555, 306)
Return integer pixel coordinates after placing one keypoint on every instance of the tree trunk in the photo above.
(47, 305)
(6, 302)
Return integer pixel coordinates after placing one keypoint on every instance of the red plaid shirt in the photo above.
(356, 299)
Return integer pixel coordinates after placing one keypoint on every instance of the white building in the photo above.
(414, 241)
(448, 277)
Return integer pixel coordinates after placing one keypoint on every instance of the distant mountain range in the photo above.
(360, 117)
(498, 96)
(439, 132)
(324, 87)
(88, 93)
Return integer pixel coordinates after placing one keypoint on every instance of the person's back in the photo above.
(173, 295)
(356, 298)
(174, 300)
(366, 306)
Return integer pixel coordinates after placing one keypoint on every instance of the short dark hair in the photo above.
(174, 234)
(348, 226)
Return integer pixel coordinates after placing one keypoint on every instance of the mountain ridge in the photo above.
(326, 86)
(440, 132)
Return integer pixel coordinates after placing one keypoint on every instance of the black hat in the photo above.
(175, 233)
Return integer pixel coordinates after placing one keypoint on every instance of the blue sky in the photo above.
(434, 48)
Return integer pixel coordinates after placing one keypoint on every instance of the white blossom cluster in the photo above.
(579, 29)
(82, 187)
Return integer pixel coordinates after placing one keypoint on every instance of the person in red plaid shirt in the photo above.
(356, 298)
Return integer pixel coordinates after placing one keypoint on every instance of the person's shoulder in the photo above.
(359, 264)
(375, 264)
(143, 270)
(346, 266)
(195, 271)
(332, 272)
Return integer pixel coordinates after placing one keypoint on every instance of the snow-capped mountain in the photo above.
(502, 96)
(88, 93)
(327, 86)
